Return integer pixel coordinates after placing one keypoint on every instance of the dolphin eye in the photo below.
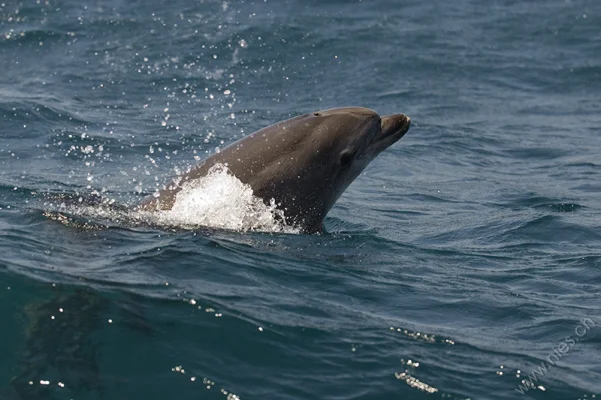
(346, 157)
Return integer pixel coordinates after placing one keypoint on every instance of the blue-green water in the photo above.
(464, 263)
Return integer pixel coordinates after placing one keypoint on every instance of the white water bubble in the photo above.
(220, 200)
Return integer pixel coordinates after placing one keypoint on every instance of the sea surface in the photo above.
(464, 263)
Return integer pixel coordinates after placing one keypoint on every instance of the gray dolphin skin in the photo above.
(303, 163)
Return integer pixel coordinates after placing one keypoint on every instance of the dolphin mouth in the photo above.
(394, 127)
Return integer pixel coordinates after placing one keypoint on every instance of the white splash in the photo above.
(220, 200)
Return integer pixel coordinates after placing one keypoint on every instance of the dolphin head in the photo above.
(361, 134)
(329, 149)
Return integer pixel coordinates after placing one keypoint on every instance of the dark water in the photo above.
(464, 263)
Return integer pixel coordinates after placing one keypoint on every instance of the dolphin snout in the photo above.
(395, 125)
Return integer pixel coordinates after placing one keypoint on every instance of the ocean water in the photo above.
(464, 263)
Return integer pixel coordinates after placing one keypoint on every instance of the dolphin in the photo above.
(303, 164)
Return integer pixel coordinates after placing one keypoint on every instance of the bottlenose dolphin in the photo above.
(303, 164)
